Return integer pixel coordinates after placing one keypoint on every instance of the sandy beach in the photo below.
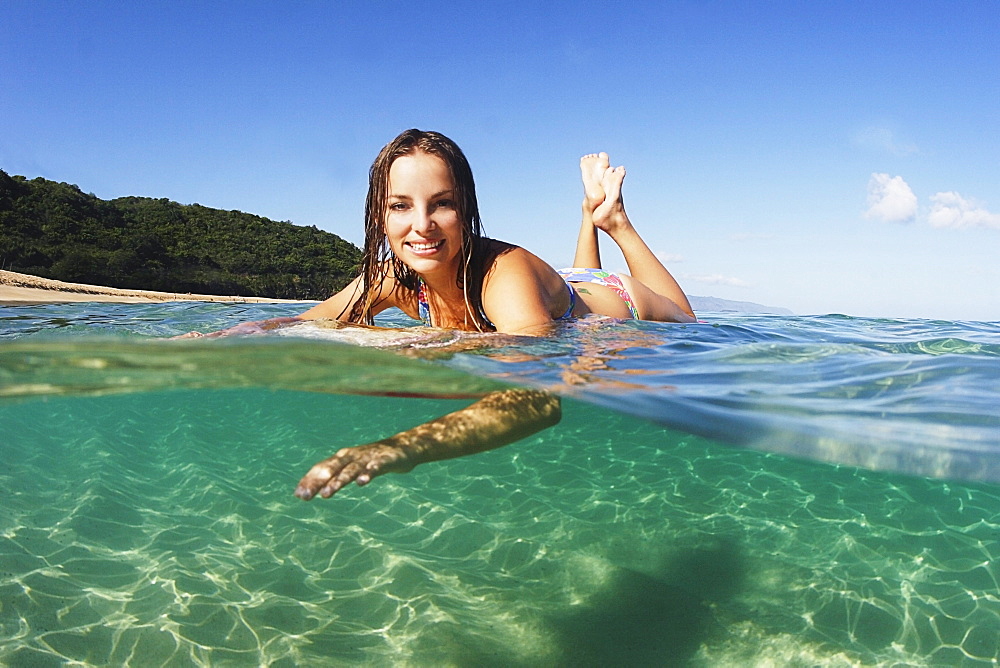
(23, 288)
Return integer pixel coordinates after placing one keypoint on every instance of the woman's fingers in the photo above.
(348, 473)
(359, 464)
(320, 477)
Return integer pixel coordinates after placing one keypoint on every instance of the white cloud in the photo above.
(750, 236)
(716, 279)
(670, 258)
(890, 199)
(950, 209)
(884, 140)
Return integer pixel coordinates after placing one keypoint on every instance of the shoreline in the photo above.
(20, 289)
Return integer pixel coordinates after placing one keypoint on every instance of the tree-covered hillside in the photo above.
(56, 231)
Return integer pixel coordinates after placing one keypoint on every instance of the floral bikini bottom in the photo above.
(601, 277)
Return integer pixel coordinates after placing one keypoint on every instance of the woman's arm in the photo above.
(522, 293)
(244, 328)
(495, 420)
(337, 307)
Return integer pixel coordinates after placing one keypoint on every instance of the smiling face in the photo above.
(422, 222)
(464, 247)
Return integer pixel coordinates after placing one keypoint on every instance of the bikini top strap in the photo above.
(423, 307)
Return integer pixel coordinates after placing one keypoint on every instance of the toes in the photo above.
(612, 182)
(596, 162)
(593, 166)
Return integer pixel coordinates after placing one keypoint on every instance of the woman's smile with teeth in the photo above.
(425, 245)
(422, 222)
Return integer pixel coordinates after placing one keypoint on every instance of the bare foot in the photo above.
(592, 168)
(610, 214)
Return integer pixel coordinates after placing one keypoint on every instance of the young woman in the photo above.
(425, 254)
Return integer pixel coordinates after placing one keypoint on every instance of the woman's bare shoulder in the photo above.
(510, 256)
(520, 272)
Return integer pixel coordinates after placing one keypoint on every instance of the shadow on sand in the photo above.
(658, 619)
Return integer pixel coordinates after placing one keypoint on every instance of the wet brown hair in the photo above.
(379, 260)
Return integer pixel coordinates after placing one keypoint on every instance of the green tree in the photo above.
(55, 230)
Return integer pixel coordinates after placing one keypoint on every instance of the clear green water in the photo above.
(157, 526)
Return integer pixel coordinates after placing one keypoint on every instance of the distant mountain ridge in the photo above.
(717, 305)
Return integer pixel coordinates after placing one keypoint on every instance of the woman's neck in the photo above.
(447, 304)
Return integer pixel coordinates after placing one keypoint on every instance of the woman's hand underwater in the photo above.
(495, 420)
(243, 329)
(360, 464)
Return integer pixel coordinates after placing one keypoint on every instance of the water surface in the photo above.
(699, 504)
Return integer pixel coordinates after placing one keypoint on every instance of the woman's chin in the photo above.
(429, 264)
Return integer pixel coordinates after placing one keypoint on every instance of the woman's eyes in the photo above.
(442, 204)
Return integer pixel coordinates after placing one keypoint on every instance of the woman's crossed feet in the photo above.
(592, 168)
(602, 187)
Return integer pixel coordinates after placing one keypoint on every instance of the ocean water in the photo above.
(748, 490)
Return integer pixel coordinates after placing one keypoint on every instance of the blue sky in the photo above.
(826, 157)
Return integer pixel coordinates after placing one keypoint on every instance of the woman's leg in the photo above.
(643, 264)
(588, 252)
